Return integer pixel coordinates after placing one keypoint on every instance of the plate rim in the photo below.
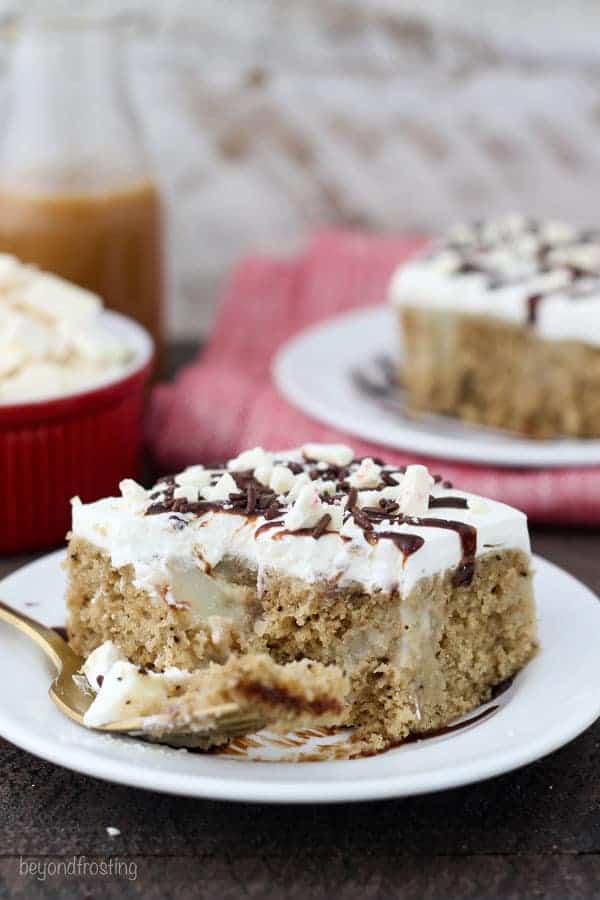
(217, 787)
(520, 452)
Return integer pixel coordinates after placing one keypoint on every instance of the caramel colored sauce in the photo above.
(106, 241)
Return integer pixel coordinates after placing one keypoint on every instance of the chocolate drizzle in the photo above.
(475, 254)
(448, 503)
(407, 544)
(253, 499)
(315, 532)
(465, 570)
(268, 525)
(532, 307)
(321, 526)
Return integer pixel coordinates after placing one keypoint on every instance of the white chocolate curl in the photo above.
(413, 496)
(333, 454)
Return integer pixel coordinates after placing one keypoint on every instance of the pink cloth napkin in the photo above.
(226, 400)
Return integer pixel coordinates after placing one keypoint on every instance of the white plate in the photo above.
(313, 371)
(550, 702)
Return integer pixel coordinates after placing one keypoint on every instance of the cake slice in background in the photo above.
(501, 327)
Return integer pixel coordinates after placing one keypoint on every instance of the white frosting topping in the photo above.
(496, 268)
(52, 339)
(172, 538)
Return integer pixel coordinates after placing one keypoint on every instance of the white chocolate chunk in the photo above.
(336, 511)
(307, 510)
(282, 479)
(367, 475)
(187, 492)
(132, 492)
(334, 454)
(222, 489)
(197, 476)
(413, 493)
(300, 481)
(372, 498)
(250, 459)
(263, 474)
(369, 498)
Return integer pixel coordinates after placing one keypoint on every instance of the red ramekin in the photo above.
(82, 443)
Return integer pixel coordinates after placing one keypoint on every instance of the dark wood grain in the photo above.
(531, 833)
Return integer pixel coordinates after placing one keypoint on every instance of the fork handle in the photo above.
(51, 643)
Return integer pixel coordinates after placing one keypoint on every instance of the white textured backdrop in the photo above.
(265, 118)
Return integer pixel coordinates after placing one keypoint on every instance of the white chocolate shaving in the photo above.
(413, 493)
(250, 460)
(307, 510)
(367, 475)
(334, 454)
(197, 476)
(132, 492)
(222, 489)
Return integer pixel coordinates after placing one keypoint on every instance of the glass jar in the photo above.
(76, 194)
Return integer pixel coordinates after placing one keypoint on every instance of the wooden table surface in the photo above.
(531, 833)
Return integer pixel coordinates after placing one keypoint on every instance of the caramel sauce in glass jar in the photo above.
(108, 242)
(77, 197)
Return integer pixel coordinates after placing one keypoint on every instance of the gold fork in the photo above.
(216, 725)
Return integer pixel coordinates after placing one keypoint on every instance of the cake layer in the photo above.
(500, 375)
(414, 662)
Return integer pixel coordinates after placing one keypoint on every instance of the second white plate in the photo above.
(314, 369)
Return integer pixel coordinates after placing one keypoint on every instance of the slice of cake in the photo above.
(420, 594)
(501, 326)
